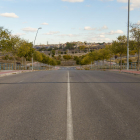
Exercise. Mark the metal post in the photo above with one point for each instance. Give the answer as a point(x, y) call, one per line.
point(33, 46)
point(128, 36)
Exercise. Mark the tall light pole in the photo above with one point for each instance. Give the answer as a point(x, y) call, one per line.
point(34, 44)
point(128, 36)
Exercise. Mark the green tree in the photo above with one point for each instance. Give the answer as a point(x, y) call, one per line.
point(70, 46)
point(135, 43)
point(37, 56)
point(82, 47)
point(86, 60)
point(120, 47)
point(25, 50)
point(104, 54)
point(109, 48)
point(67, 57)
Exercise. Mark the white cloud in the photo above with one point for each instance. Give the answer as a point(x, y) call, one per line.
point(88, 5)
point(52, 33)
point(102, 36)
point(97, 39)
point(45, 23)
point(19, 34)
point(106, 0)
point(29, 29)
point(73, 0)
point(11, 15)
point(68, 35)
point(138, 23)
point(103, 28)
point(89, 28)
point(115, 32)
point(24, 22)
point(134, 4)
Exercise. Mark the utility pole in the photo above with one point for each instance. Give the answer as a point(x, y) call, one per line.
point(128, 36)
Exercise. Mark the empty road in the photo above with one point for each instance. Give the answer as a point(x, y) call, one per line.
point(69, 104)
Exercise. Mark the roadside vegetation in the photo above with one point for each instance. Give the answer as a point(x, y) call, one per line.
point(21, 48)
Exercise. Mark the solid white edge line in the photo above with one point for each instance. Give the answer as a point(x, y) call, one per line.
point(69, 113)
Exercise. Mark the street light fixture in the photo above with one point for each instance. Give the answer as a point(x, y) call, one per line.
point(34, 44)
point(128, 36)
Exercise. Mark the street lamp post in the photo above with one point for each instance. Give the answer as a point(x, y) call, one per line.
point(34, 44)
point(128, 36)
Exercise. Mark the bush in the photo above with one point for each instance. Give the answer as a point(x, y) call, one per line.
point(11, 58)
point(6, 57)
point(120, 62)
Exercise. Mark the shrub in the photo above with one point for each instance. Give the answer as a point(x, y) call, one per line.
point(120, 62)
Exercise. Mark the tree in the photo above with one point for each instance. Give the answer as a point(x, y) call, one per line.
point(37, 56)
point(82, 47)
point(70, 46)
point(9, 43)
point(66, 57)
point(86, 60)
point(120, 47)
point(104, 54)
point(25, 50)
point(109, 48)
point(4, 36)
point(135, 43)
point(94, 56)
point(45, 59)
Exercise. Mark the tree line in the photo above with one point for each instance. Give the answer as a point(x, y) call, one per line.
point(22, 48)
point(118, 47)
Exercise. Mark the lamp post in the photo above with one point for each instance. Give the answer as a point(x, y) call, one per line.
point(34, 44)
point(128, 36)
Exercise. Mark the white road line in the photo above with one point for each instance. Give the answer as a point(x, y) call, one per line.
point(69, 113)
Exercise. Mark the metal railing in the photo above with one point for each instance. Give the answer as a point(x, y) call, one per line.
point(10, 66)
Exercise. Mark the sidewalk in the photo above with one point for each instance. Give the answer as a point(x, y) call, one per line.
point(128, 71)
point(10, 72)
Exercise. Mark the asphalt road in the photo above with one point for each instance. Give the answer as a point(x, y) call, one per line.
point(68, 104)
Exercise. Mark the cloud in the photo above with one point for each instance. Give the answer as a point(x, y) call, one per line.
point(19, 34)
point(73, 0)
point(115, 32)
point(134, 4)
point(89, 28)
point(29, 29)
point(97, 39)
point(52, 33)
point(11, 15)
point(67, 35)
point(24, 22)
point(88, 5)
point(106, 0)
point(138, 23)
point(103, 28)
point(45, 23)
point(102, 36)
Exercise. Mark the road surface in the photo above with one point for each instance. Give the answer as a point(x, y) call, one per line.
point(70, 104)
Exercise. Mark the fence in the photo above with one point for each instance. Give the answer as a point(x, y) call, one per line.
point(132, 65)
point(9, 66)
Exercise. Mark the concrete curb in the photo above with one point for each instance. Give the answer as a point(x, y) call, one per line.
point(12, 73)
point(126, 72)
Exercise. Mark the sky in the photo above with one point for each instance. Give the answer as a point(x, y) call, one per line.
point(68, 20)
